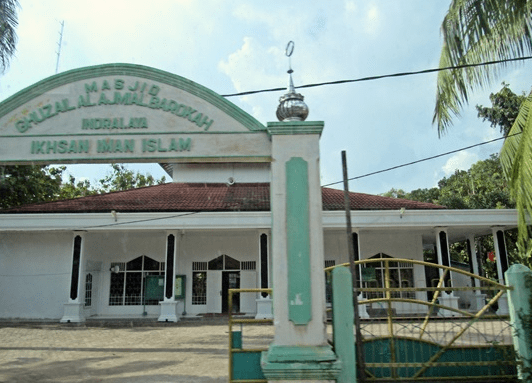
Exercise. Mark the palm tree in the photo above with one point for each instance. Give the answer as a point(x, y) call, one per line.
point(476, 31)
point(8, 38)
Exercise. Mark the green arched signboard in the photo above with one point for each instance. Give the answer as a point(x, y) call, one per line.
point(126, 113)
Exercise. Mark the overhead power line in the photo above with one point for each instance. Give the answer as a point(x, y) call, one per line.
point(422, 160)
point(401, 74)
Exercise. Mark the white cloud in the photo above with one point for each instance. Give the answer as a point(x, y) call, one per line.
point(350, 6)
point(372, 20)
point(460, 161)
point(254, 66)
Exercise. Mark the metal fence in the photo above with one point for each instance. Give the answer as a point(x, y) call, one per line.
point(247, 340)
point(453, 328)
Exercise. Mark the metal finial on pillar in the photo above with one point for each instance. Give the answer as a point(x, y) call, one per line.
point(291, 105)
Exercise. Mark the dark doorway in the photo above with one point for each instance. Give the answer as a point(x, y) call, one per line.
point(230, 280)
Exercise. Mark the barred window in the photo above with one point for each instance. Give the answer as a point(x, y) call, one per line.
point(401, 275)
point(199, 288)
point(127, 286)
point(88, 290)
point(199, 266)
point(248, 265)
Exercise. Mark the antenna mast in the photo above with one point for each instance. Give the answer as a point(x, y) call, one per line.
point(59, 46)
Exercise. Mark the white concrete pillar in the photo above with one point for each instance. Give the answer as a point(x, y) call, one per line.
point(362, 308)
point(73, 309)
point(444, 259)
point(300, 341)
point(169, 304)
point(501, 257)
point(473, 258)
point(479, 300)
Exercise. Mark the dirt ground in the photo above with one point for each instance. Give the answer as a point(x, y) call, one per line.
point(187, 351)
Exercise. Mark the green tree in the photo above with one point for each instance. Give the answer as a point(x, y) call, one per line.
point(504, 109)
point(8, 37)
point(123, 179)
point(476, 31)
point(21, 185)
point(76, 188)
point(395, 193)
point(482, 186)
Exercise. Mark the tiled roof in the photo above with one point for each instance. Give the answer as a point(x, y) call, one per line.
point(174, 197)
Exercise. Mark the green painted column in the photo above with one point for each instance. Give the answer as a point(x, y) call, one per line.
point(300, 350)
point(298, 241)
point(519, 277)
point(343, 322)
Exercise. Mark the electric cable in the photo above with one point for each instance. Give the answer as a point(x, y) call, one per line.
point(400, 74)
point(422, 160)
point(140, 220)
point(330, 184)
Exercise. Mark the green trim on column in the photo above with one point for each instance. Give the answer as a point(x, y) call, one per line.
point(294, 127)
point(343, 319)
point(519, 277)
point(298, 241)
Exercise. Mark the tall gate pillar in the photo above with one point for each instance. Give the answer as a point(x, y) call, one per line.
point(519, 277)
point(300, 350)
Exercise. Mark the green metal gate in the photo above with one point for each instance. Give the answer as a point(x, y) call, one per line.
point(244, 357)
point(457, 331)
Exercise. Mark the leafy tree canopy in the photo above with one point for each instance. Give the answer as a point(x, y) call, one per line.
point(124, 179)
point(21, 185)
point(481, 187)
point(504, 109)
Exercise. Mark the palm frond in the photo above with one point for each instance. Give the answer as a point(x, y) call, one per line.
point(516, 161)
point(8, 37)
point(476, 31)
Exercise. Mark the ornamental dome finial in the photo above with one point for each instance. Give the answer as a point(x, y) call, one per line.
point(291, 105)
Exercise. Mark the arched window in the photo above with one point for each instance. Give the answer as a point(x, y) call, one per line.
point(128, 284)
point(401, 275)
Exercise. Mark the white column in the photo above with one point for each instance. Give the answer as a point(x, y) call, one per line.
point(362, 308)
point(73, 310)
point(479, 299)
point(444, 259)
point(300, 342)
point(169, 304)
point(501, 257)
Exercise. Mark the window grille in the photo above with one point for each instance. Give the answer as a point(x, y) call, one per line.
point(88, 290)
point(199, 266)
point(128, 284)
point(330, 262)
point(248, 265)
point(199, 288)
point(401, 275)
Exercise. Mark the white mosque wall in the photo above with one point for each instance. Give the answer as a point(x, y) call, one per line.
point(223, 172)
point(34, 274)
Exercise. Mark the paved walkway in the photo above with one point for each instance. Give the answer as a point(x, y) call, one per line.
point(125, 352)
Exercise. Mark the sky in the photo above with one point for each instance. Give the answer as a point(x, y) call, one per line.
point(235, 46)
